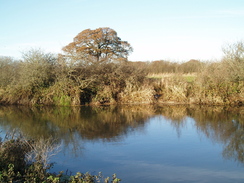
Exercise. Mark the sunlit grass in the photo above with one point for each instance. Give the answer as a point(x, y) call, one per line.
point(190, 77)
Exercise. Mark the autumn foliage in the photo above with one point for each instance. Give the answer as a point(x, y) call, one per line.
point(96, 46)
point(94, 69)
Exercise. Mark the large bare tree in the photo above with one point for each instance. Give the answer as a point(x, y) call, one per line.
point(96, 46)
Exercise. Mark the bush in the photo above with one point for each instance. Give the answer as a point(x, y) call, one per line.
point(8, 70)
point(14, 152)
point(233, 61)
point(26, 161)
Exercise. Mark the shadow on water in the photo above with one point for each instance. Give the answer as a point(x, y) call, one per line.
point(223, 125)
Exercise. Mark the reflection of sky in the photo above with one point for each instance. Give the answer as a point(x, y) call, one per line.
point(2, 133)
point(157, 153)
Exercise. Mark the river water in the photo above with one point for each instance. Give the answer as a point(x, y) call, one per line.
point(140, 143)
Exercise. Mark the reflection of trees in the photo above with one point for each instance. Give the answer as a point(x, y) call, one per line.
point(235, 146)
point(224, 125)
point(109, 123)
point(175, 114)
point(102, 122)
point(221, 124)
point(30, 121)
point(72, 124)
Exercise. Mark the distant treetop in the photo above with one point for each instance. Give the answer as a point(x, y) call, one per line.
point(99, 45)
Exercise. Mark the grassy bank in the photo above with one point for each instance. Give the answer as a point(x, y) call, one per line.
point(44, 79)
point(198, 89)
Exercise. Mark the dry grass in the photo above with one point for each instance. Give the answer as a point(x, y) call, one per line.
point(190, 77)
point(172, 88)
point(208, 87)
point(132, 94)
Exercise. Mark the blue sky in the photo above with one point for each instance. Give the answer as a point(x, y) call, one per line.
point(176, 30)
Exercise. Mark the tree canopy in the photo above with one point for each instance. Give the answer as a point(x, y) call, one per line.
point(99, 45)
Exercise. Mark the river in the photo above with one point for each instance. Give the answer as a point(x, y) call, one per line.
point(140, 143)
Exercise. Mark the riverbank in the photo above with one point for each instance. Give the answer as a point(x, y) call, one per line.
point(173, 88)
point(198, 89)
point(44, 79)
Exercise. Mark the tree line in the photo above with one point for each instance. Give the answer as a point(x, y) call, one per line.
point(94, 69)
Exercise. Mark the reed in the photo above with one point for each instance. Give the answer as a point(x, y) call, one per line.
point(137, 94)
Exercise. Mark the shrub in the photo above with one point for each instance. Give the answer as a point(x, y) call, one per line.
point(24, 160)
point(13, 152)
point(8, 70)
point(233, 61)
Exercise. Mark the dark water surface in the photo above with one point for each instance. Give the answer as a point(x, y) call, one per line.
point(140, 143)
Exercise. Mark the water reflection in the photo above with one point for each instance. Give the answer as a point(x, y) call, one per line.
point(223, 125)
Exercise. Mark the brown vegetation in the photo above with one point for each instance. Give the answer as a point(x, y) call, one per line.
point(96, 46)
point(94, 70)
point(23, 160)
